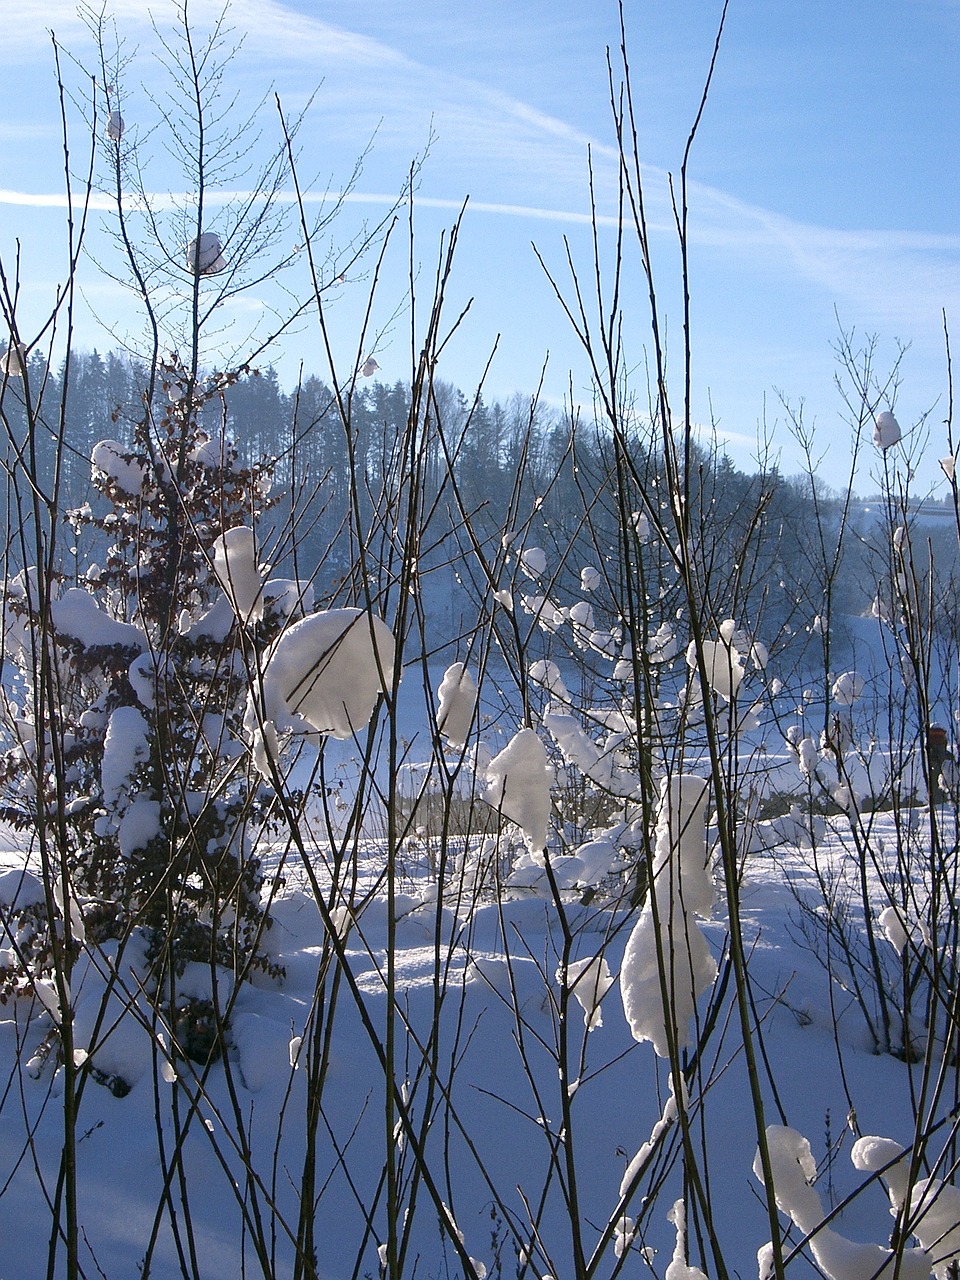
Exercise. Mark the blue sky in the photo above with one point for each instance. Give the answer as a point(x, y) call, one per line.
point(824, 180)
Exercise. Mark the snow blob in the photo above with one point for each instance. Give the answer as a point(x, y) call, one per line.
point(323, 675)
point(125, 746)
point(669, 938)
point(205, 255)
point(589, 980)
point(13, 362)
point(114, 126)
point(457, 697)
point(794, 1171)
point(886, 430)
point(369, 367)
point(121, 465)
point(589, 578)
point(533, 561)
point(848, 688)
point(547, 674)
point(723, 663)
point(520, 778)
point(77, 615)
point(235, 564)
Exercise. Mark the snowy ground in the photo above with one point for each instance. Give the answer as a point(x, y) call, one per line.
point(489, 998)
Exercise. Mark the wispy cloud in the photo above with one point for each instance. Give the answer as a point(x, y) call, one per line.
point(521, 163)
point(872, 267)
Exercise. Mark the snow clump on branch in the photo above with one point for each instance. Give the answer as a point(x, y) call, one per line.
point(722, 659)
point(682, 889)
point(324, 675)
point(234, 558)
point(520, 778)
point(794, 1171)
point(457, 697)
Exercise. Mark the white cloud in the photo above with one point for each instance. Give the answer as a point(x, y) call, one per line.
point(522, 163)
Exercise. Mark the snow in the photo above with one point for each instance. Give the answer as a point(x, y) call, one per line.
point(886, 430)
point(667, 937)
point(204, 255)
point(76, 614)
point(324, 674)
point(475, 966)
point(589, 980)
point(723, 664)
point(596, 762)
point(13, 362)
point(492, 963)
point(139, 825)
point(848, 688)
point(678, 1268)
point(122, 466)
point(794, 1171)
point(19, 889)
point(234, 558)
point(533, 561)
point(457, 699)
point(547, 675)
point(519, 778)
point(126, 745)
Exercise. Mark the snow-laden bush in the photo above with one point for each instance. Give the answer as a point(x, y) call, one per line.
point(149, 814)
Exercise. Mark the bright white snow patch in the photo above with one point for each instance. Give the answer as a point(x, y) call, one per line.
point(794, 1171)
point(589, 578)
point(121, 465)
point(848, 688)
point(323, 675)
point(534, 561)
point(679, 1268)
point(547, 675)
point(204, 255)
point(886, 430)
point(13, 362)
point(126, 745)
point(457, 697)
point(77, 614)
point(139, 825)
point(723, 663)
point(670, 940)
point(235, 564)
point(589, 980)
point(520, 778)
point(892, 926)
